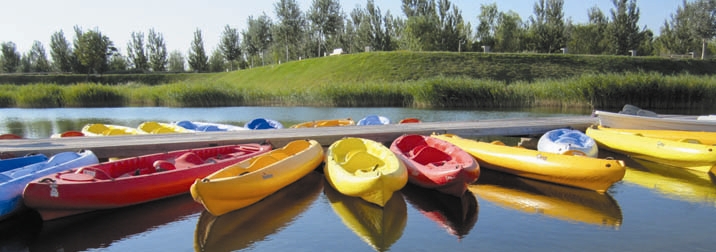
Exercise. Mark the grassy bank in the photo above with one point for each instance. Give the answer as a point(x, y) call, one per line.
point(407, 79)
point(591, 90)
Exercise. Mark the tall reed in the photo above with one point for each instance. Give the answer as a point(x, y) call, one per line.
point(92, 95)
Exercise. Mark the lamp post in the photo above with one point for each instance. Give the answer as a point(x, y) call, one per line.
point(564, 50)
point(633, 52)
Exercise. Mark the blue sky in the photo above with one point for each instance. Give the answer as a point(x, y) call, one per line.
point(23, 22)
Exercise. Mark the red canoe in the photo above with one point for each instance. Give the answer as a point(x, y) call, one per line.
point(130, 181)
point(436, 164)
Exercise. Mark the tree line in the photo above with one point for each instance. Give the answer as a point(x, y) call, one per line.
point(426, 25)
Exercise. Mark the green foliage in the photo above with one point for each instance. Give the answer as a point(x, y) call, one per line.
point(39, 96)
point(191, 95)
point(92, 95)
point(198, 61)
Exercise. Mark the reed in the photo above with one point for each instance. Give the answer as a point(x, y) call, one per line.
point(92, 95)
point(7, 99)
point(39, 96)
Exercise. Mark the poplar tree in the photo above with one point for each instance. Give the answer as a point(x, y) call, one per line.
point(289, 29)
point(327, 20)
point(157, 51)
point(136, 54)
point(61, 52)
point(176, 62)
point(624, 32)
point(198, 61)
point(38, 58)
point(230, 46)
point(10, 60)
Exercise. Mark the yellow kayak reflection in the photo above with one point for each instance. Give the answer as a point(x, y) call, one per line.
point(241, 228)
point(673, 182)
point(550, 200)
point(378, 227)
point(457, 215)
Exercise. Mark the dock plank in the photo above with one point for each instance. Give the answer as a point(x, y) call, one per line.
point(125, 146)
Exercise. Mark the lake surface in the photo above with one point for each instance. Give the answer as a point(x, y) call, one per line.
point(655, 207)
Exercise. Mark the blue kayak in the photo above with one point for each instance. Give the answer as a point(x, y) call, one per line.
point(13, 182)
point(17, 162)
point(568, 141)
point(373, 120)
point(207, 126)
point(263, 123)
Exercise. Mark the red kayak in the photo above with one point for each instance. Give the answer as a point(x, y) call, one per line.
point(436, 164)
point(130, 181)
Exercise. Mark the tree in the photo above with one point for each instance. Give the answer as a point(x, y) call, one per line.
point(117, 63)
point(676, 34)
point(257, 38)
point(703, 24)
point(94, 50)
point(327, 20)
point(487, 28)
point(217, 62)
point(508, 32)
point(197, 56)
point(548, 26)
point(422, 27)
point(157, 51)
point(38, 58)
point(624, 32)
point(135, 52)
point(230, 46)
point(289, 29)
point(176, 62)
point(590, 38)
point(10, 60)
point(61, 52)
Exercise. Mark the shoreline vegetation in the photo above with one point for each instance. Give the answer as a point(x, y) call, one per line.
point(394, 79)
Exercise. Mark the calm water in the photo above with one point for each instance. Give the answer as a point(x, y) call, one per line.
point(655, 208)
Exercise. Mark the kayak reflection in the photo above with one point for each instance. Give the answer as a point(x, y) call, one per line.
point(91, 230)
point(241, 228)
point(457, 215)
point(379, 227)
point(673, 182)
point(551, 200)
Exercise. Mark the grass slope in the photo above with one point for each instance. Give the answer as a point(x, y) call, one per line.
point(391, 67)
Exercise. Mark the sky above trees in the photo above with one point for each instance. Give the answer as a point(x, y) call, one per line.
point(23, 22)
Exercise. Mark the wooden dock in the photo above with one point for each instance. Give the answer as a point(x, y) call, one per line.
point(125, 146)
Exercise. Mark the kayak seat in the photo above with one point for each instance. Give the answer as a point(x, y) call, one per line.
point(261, 162)
point(163, 165)
point(342, 148)
point(409, 142)
point(296, 147)
point(188, 159)
point(361, 161)
point(427, 155)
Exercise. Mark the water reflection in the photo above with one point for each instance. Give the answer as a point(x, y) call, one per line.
point(102, 228)
point(457, 215)
point(551, 200)
point(673, 182)
point(378, 227)
point(240, 229)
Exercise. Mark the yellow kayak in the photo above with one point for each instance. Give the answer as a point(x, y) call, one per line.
point(325, 123)
point(259, 221)
point(251, 180)
point(101, 129)
point(680, 154)
point(576, 171)
point(152, 127)
point(702, 137)
point(360, 167)
point(379, 227)
point(547, 199)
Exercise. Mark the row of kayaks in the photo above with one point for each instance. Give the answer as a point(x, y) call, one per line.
point(188, 126)
point(226, 178)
